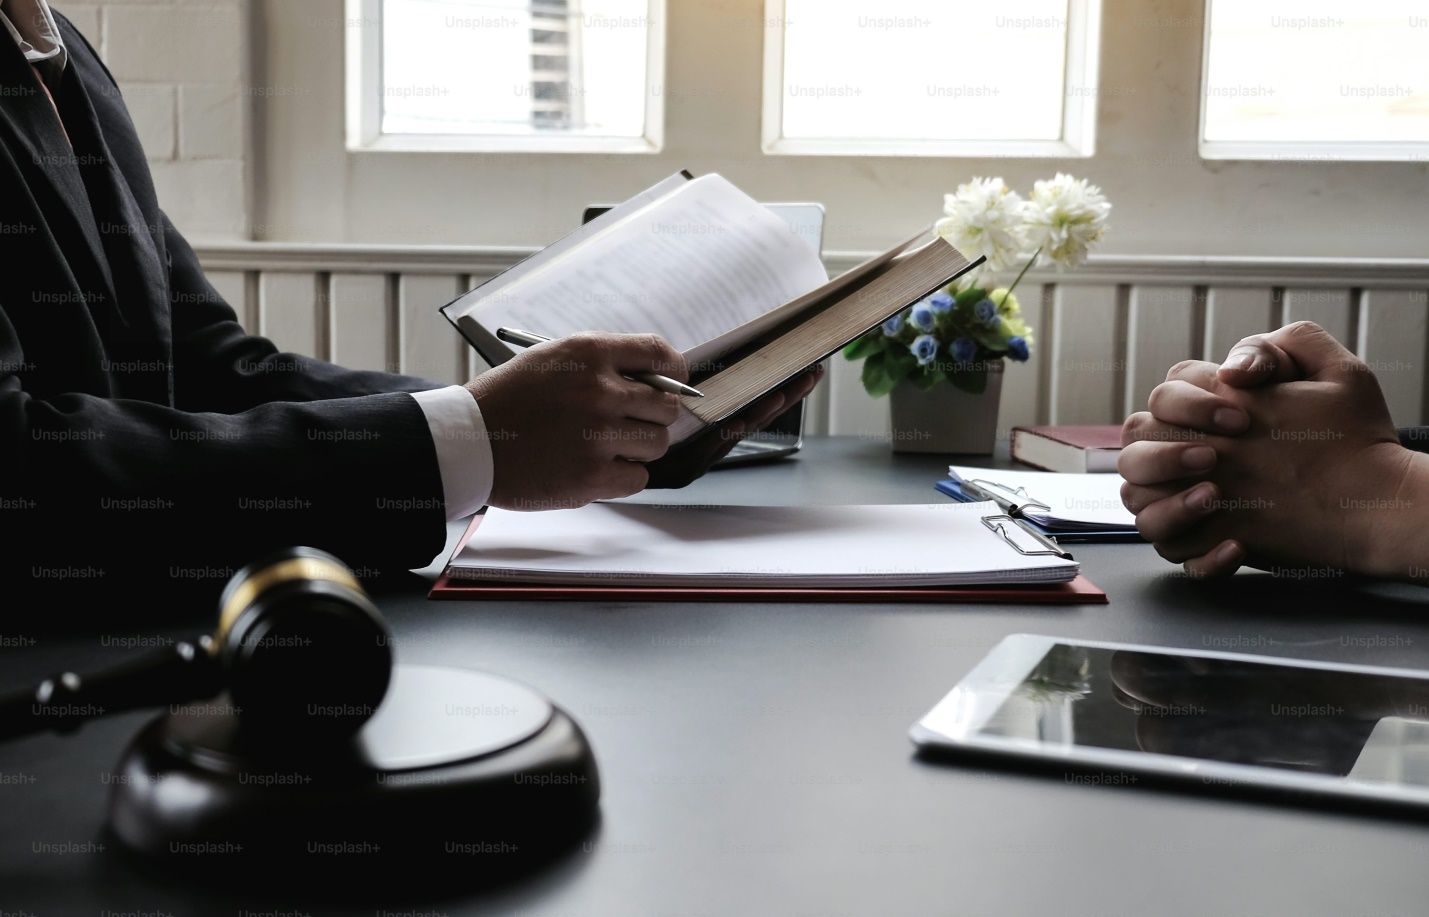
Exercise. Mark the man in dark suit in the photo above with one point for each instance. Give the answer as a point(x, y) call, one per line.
point(144, 432)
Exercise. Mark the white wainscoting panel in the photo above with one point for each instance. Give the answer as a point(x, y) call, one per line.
point(1160, 332)
point(1087, 361)
point(289, 306)
point(1233, 313)
point(1392, 335)
point(1106, 333)
point(361, 321)
point(430, 347)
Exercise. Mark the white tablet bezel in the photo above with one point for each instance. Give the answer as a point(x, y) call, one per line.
point(954, 724)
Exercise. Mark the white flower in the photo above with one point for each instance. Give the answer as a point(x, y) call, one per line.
point(985, 217)
point(1064, 217)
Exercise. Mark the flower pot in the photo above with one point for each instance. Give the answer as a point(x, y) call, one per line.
point(945, 418)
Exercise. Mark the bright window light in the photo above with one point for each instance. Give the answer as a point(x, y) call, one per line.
point(918, 71)
point(510, 68)
point(1347, 78)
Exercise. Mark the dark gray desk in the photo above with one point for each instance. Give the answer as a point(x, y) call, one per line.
point(755, 758)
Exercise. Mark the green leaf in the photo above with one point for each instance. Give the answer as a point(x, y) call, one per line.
point(900, 364)
point(866, 346)
point(971, 296)
point(875, 376)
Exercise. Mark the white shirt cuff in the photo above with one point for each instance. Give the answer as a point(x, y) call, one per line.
point(463, 448)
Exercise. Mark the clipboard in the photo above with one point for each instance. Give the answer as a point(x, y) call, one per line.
point(1078, 591)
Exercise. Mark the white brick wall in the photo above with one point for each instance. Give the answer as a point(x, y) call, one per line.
point(182, 66)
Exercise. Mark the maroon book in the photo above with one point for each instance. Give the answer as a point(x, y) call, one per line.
point(1074, 449)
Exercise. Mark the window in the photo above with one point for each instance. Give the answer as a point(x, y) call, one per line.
point(930, 77)
point(1316, 79)
point(512, 75)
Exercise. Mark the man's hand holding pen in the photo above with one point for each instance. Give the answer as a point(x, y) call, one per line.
point(654, 380)
point(577, 419)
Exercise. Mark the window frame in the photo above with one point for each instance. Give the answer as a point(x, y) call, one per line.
point(1293, 150)
point(1079, 111)
point(363, 84)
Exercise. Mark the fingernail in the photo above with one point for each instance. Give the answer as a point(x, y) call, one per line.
point(1242, 361)
point(1231, 420)
point(1201, 497)
point(1228, 553)
point(1198, 458)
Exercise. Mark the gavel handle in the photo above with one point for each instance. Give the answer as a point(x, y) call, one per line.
point(182, 672)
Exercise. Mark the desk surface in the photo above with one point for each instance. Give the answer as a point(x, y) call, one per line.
point(755, 758)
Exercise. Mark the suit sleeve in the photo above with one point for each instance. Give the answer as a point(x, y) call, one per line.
point(220, 367)
point(356, 476)
point(103, 489)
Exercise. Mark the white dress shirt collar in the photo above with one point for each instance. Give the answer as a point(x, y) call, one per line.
point(33, 27)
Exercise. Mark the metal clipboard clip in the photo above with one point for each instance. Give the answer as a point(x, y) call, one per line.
point(1013, 502)
point(998, 523)
point(1014, 505)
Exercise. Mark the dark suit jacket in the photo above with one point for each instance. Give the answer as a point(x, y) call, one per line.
point(143, 432)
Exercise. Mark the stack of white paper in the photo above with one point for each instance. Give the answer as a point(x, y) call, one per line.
point(942, 544)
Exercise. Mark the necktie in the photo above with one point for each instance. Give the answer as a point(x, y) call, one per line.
point(41, 78)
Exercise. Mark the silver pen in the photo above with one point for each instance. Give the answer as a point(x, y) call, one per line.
point(654, 380)
point(1013, 502)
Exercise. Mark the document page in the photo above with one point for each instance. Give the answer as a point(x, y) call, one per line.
point(689, 267)
point(711, 350)
point(496, 351)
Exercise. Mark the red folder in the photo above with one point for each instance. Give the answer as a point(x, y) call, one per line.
point(1080, 591)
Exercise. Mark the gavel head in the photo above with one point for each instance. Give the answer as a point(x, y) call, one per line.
point(306, 654)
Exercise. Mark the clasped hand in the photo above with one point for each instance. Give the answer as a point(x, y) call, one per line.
point(1283, 456)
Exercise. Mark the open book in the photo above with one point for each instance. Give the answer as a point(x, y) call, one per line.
point(700, 263)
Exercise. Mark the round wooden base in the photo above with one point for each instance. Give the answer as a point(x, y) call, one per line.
point(459, 776)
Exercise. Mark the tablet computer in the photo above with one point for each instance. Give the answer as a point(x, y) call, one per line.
point(1220, 720)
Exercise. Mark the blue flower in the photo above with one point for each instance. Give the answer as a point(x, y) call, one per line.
point(1017, 348)
point(923, 315)
point(893, 325)
point(925, 348)
point(964, 349)
point(941, 302)
point(987, 311)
